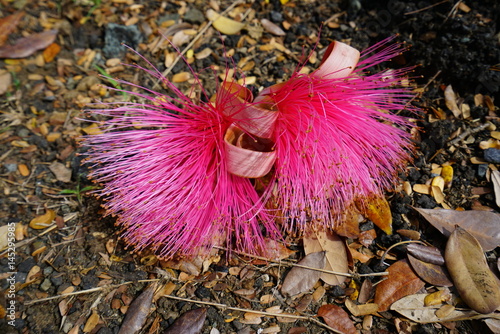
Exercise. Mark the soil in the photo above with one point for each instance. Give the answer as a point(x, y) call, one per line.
point(452, 43)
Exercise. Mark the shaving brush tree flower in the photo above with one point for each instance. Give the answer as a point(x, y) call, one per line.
point(181, 175)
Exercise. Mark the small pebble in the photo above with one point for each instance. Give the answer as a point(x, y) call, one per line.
point(481, 170)
point(46, 284)
point(492, 155)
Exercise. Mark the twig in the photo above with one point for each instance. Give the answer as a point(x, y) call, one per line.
point(190, 45)
point(268, 314)
point(425, 8)
point(31, 302)
point(468, 132)
point(292, 264)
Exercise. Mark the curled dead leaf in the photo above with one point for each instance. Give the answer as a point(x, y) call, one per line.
point(469, 271)
point(402, 281)
point(300, 280)
point(378, 211)
point(337, 318)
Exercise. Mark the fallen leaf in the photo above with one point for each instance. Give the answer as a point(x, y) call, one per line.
point(469, 271)
point(337, 318)
point(275, 250)
point(348, 226)
point(272, 28)
point(451, 101)
point(223, 24)
point(402, 281)
point(413, 308)
point(426, 253)
point(4, 236)
point(431, 273)
point(493, 325)
point(61, 172)
point(191, 322)
point(361, 309)
point(51, 52)
point(8, 24)
point(335, 253)
point(92, 321)
point(378, 211)
point(483, 225)
point(495, 178)
point(26, 46)
point(300, 280)
point(43, 221)
point(138, 312)
point(5, 81)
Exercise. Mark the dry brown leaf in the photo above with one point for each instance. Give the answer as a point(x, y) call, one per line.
point(5, 81)
point(61, 172)
point(413, 308)
point(223, 24)
point(275, 250)
point(335, 252)
point(272, 28)
point(495, 178)
point(190, 322)
point(51, 52)
point(431, 273)
point(300, 280)
point(92, 321)
point(138, 311)
point(402, 281)
point(483, 225)
point(426, 253)
point(43, 221)
point(26, 46)
point(337, 318)
point(469, 271)
point(8, 24)
point(349, 223)
point(378, 211)
point(451, 101)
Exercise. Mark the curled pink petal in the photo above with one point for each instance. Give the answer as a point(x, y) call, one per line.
point(339, 61)
point(255, 118)
point(249, 157)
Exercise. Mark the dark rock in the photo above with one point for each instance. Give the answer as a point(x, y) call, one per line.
point(202, 292)
point(337, 291)
point(276, 17)
point(57, 279)
point(117, 34)
point(481, 170)
point(26, 265)
point(194, 16)
point(492, 155)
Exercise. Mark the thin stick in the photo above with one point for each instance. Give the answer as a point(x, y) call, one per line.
point(31, 302)
point(291, 264)
point(425, 8)
point(190, 45)
point(268, 314)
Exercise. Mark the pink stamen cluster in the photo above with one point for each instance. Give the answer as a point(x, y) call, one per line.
point(167, 165)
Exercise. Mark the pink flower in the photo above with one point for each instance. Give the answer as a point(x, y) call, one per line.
point(176, 173)
point(163, 167)
point(337, 138)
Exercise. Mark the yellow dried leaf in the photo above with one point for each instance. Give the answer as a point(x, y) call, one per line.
point(223, 24)
point(92, 321)
point(378, 211)
point(53, 136)
point(437, 298)
point(438, 181)
point(422, 189)
point(92, 129)
point(23, 170)
point(447, 174)
point(181, 77)
point(43, 221)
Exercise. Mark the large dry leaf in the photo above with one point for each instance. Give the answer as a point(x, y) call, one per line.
point(483, 225)
point(138, 311)
point(414, 309)
point(495, 178)
point(8, 24)
point(300, 280)
point(335, 253)
point(401, 282)
point(426, 253)
point(431, 273)
point(377, 209)
point(469, 271)
point(337, 318)
point(190, 322)
point(26, 46)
